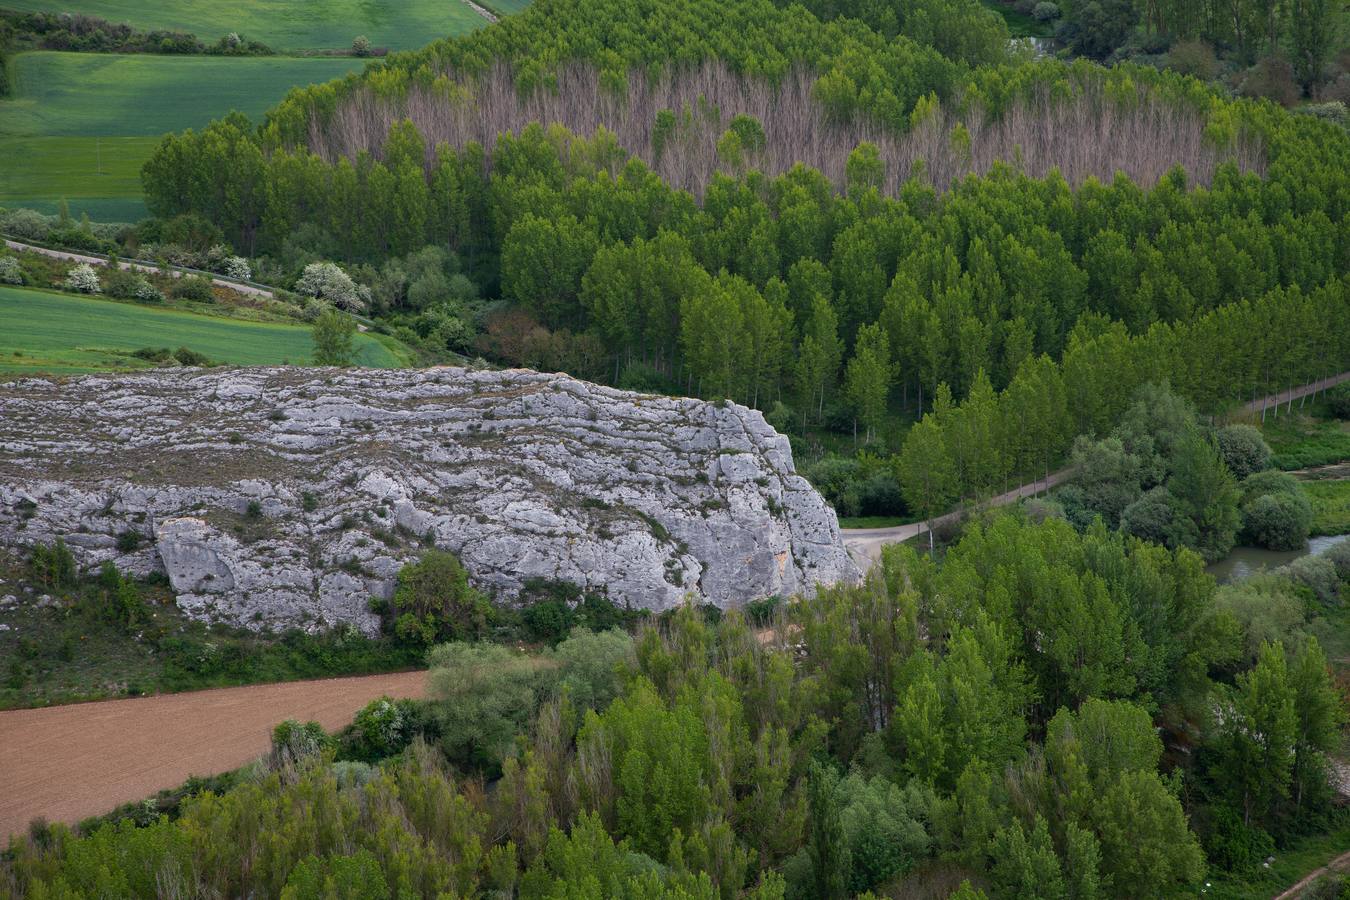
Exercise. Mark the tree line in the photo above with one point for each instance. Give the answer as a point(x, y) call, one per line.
point(976, 448)
point(1044, 714)
point(996, 271)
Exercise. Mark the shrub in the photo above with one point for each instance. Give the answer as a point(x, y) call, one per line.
point(1338, 400)
point(237, 267)
point(1277, 521)
point(334, 336)
point(1156, 517)
point(294, 742)
point(186, 357)
point(1339, 557)
point(128, 541)
point(483, 694)
point(147, 292)
point(760, 613)
point(1333, 111)
point(119, 601)
point(83, 279)
point(361, 46)
point(837, 480)
point(121, 283)
point(1195, 58)
point(194, 287)
point(1233, 845)
point(10, 270)
point(1269, 482)
point(591, 666)
point(26, 223)
point(1243, 449)
point(382, 727)
point(1317, 573)
point(326, 281)
point(1273, 79)
point(433, 601)
point(880, 495)
point(1044, 12)
point(53, 566)
point(548, 621)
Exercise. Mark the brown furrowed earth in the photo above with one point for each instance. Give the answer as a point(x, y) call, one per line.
point(67, 763)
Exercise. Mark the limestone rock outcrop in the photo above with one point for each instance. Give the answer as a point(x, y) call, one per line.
point(289, 497)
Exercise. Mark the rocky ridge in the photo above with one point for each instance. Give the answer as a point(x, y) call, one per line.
point(288, 496)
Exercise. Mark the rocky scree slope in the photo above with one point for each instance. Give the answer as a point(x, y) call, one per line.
point(290, 496)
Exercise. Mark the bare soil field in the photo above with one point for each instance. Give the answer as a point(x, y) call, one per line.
point(66, 763)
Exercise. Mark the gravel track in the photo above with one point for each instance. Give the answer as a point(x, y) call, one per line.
point(66, 763)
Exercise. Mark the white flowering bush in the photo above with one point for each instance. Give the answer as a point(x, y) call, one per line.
point(10, 271)
point(325, 281)
point(147, 292)
point(237, 267)
point(83, 278)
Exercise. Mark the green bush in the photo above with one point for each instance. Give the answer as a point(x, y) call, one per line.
point(548, 621)
point(1233, 845)
point(53, 567)
point(1243, 449)
point(1267, 483)
point(484, 694)
point(1317, 574)
point(193, 287)
point(1277, 521)
point(434, 602)
point(1338, 400)
point(294, 742)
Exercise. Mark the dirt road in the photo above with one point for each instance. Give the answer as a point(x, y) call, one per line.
point(1272, 403)
point(237, 286)
point(70, 762)
point(1339, 864)
point(864, 544)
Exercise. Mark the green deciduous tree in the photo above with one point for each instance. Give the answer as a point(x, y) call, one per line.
point(867, 380)
point(334, 336)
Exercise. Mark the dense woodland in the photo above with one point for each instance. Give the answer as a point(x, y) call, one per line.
point(971, 239)
point(1044, 713)
point(874, 226)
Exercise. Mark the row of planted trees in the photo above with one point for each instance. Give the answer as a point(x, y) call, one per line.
point(975, 448)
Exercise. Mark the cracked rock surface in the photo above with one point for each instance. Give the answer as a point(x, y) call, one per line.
point(276, 497)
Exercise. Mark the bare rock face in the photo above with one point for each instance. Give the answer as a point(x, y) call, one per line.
point(285, 496)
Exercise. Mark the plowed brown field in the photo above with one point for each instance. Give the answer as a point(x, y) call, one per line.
point(70, 762)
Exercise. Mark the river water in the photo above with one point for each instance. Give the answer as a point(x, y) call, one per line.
point(1246, 561)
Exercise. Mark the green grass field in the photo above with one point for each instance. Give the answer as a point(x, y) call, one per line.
point(289, 24)
point(82, 124)
point(1330, 500)
point(60, 334)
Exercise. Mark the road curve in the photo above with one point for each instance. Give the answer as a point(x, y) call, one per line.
point(864, 544)
point(66, 763)
point(139, 267)
point(1338, 864)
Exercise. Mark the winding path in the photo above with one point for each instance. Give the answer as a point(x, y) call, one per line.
point(238, 286)
point(1339, 864)
point(864, 544)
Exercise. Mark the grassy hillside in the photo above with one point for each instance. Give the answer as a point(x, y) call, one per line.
point(59, 333)
point(290, 24)
point(82, 124)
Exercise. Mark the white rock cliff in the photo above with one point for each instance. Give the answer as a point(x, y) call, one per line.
point(288, 496)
